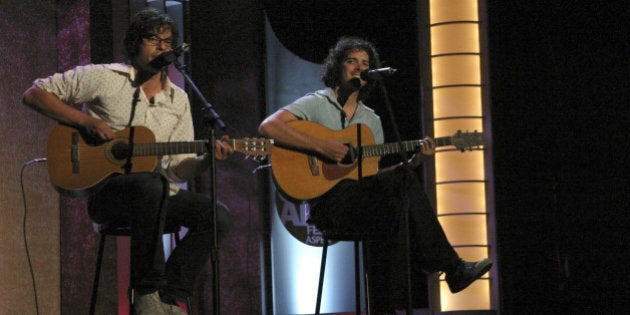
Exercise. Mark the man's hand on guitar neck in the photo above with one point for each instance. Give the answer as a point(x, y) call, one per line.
point(191, 167)
point(223, 148)
point(426, 151)
point(428, 146)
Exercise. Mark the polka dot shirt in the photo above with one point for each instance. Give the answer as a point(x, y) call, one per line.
point(106, 92)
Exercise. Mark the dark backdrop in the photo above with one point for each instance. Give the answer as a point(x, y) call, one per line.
point(227, 53)
point(559, 82)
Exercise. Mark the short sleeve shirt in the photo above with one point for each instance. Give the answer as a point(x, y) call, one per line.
point(323, 108)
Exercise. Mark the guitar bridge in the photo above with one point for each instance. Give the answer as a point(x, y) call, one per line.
point(312, 165)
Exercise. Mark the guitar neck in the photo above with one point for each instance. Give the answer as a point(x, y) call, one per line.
point(407, 146)
point(252, 147)
point(168, 148)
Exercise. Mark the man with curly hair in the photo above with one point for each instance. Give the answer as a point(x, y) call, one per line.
point(375, 205)
point(121, 95)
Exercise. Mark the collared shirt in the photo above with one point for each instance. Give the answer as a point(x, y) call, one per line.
point(323, 108)
point(106, 92)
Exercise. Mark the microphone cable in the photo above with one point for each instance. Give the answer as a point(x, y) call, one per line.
point(28, 255)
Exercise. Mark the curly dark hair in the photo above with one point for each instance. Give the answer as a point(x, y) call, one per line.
point(333, 64)
point(146, 23)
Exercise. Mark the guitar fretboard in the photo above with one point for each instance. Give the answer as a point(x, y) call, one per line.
point(407, 146)
point(166, 148)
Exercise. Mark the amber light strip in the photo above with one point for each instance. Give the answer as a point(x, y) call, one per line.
point(460, 177)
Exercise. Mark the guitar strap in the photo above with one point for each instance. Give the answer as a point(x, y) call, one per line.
point(360, 155)
point(340, 100)
point(134, 102)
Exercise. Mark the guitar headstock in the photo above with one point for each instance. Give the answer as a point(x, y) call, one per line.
point(257, 148)
point(467, 140)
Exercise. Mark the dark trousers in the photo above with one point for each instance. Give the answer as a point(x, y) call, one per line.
point(374, 209)
point(142, 202)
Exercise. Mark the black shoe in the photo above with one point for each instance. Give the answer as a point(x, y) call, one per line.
point(466, 273)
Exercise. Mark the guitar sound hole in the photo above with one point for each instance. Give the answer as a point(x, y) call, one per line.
point(120, 150)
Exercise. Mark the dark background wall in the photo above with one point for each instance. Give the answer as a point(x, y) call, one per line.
point(227, 51)
point(560, 83)
point(26, 33)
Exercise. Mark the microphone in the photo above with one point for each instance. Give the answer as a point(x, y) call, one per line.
point(355, 84)
point(377, 74)
point(346, 89)
point(167, 58)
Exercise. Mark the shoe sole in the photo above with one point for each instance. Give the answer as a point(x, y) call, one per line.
point(483, 268)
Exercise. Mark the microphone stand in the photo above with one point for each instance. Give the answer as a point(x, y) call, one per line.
point(212, 119)
point(343, 94)
point(405, 160)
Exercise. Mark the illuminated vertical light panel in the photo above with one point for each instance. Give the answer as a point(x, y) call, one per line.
point(458, 104)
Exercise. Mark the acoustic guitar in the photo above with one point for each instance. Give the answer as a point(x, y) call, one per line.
point(304, 175)
point(78, 165)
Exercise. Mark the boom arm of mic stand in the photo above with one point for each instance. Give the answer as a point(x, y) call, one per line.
point(207, 106)
point(214, 119)
point(390, 112)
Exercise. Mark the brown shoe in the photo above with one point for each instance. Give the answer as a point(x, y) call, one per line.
point(150, 304)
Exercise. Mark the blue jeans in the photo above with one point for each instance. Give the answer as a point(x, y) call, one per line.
point(142, 202)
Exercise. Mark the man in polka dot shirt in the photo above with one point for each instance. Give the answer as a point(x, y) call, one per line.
point(120, 95)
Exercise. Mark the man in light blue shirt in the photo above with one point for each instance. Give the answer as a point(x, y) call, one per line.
point(374, 205)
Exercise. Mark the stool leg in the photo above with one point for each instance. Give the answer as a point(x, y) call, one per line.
point(97, 273)
point(322, 269)
point(130, 291)
point(188, 301)
point(357, 278)
point(189, 306)
point(132, 300)
point(366, 277)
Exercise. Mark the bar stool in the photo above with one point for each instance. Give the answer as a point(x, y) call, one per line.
point(113, 230)
point(333, 236)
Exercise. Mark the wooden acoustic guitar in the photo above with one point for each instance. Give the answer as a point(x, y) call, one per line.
point(304, 175)
point(77, 164)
